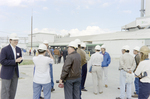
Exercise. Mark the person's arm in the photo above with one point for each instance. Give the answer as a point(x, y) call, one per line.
point(133, 65)
point(66, 68)
point(4, 61)
point(50, 54)
point(139, 69)
point(121, 63)
point(109, 59)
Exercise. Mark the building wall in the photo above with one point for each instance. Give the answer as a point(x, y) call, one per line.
point(114, 47)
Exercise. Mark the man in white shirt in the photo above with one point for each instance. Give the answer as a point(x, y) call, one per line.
point(42, 77)
point(127, 65)
point(97, 75)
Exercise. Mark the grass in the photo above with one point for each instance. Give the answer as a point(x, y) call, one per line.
point(27, 62)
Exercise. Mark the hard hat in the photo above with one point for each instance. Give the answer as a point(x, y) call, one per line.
point(13, 36)
point(137, 48)
point(77, 41)
point(126, 47)
point(145, 50)
point(45, 42)
point(73, 44)
point(97, 47)
point(42, 47)
point(55, 47)
point(103, 46)
point(83, 45)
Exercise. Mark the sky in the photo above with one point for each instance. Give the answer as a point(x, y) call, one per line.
point(77, 17)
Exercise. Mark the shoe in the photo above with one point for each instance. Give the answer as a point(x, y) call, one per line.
point(95, 93)
point(41, 97)
point(118, 98)
point(52, 89)
point(135, 96)
point(118, 87)
point(83, 90)
point(106, 86)
point(100, 92)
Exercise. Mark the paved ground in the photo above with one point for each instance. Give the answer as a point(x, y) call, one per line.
point(25, 91)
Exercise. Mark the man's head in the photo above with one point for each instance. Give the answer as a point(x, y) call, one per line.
point(83, 46)
point(42, 49)
point(103, 48)
point(144, 51)
point(72, 47)
point(125, 49)
point(136, 50)
point(45, 42)
point(64, 48)
point(97, 48)
point(13, 39)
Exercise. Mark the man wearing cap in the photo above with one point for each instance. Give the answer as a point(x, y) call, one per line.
point(137, 60)
point(56, 54)
point(51, 66)
point(97, 75)
point(105, 63)
point(127, 65)
point(10, 56)
point(84, 68)
point(71, 73)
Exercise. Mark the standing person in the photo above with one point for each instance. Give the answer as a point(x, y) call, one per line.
point(51, 65)
point(59, 58)
point(56, 54)
point(97, 74)
point(127, 65)
point(42, 77)
point(9, 58)
point(34, 51)
point(137, 60)
point(83, 59)
point(84, 68)
point(105, 64)
point(65, 53)
point(71, 73)
point(143, 72)
point(30, 52)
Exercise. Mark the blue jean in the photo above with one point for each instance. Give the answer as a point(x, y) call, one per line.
point(72, 88)
point(51, 74)
point(37, 90)
point(136, 83)
point(144, 90)
point(84, 73)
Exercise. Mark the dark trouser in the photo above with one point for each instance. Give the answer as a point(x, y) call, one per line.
point(136, 83)
point(84, 73)
point(59, 59)
point(64, 57)
point(144, 90)
point(9, 87)
point(72, 88)
point(51, 74)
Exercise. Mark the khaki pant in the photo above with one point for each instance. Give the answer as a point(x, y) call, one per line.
point(97, 76)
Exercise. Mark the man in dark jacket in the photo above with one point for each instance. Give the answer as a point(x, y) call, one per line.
point(65, 53)
point(9, 58)
point(71, 73)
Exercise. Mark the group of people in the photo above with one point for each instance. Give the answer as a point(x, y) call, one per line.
point(74, 70)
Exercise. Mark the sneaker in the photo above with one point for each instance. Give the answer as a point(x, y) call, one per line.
point(106, 86)
point(41, 97)
point(95, 93)
point(100, 92)
point(135, 96)
point(118, 98)
point(83, 90)
point(52, 89)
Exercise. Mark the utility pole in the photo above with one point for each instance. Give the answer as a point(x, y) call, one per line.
point(31, 28)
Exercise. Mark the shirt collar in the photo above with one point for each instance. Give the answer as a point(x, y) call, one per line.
point(12, 47)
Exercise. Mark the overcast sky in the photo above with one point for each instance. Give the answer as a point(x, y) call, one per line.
point(77, 17)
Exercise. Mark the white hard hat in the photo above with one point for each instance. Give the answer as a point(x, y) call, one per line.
point(103, 46)
point(83, 45)
point(73, 44)
point(42, 47)
point(13, 36)
point(45, 42)
point(137, 48)
point(97, 47)
point(55, 47)
point(126, 47)
point(78, 41)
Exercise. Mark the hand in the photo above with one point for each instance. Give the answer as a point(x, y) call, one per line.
point(130, 72)
point(60, 81)
point(19, 59)
point(90, 72)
